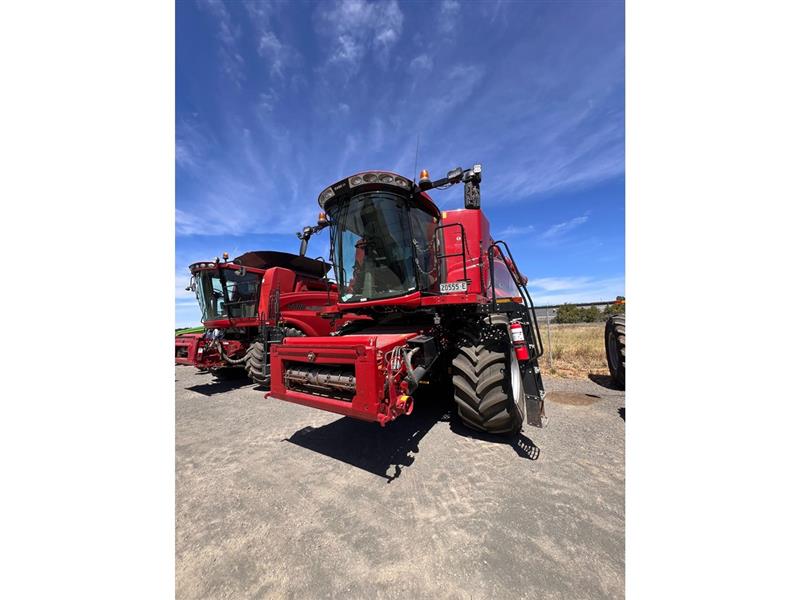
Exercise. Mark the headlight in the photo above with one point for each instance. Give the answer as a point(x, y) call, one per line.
point(325, 196)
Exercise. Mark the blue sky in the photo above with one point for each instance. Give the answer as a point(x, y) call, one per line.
point(275, 101)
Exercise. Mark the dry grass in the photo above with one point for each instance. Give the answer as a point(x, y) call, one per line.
point(577, 350)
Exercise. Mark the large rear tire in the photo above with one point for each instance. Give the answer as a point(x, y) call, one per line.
point(254, 363)
point(486, 378)
point(615, 348)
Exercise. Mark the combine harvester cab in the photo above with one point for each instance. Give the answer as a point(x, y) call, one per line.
point(251, 302)
point(436, 298)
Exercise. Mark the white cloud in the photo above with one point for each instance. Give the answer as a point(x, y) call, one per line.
point(354, 27)
point(267, 100)
point(560, 290)
point(556, 284)
point(275, 52)
point(515, 230)
point(183, 155)
point(457, 88)
point(569, 128)
point(228, 35)
point(448, 15)
point(190, 144)
point(420, 64)
point(559, 229)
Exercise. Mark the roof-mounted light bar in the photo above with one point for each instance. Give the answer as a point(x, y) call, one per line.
point(204, 265)
point(368, 178)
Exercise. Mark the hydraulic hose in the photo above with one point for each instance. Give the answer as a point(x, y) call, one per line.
point(230, 361)
point(407, 360)
point(413, 375)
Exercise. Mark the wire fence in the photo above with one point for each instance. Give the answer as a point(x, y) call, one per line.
point(546, 316)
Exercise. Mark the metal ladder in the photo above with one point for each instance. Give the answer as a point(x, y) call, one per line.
point(532, 383)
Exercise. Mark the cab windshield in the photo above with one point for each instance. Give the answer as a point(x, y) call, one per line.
point(382, 247)
point(242, 294)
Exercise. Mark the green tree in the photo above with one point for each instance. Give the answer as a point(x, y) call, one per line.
point(591, 314)
point(568, 313)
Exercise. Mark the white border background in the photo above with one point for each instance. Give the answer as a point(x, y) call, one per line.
point(87, 439)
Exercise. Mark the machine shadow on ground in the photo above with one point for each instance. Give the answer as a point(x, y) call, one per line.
point(605, 381)
point(386, 451)
point(219, 386)
point(371, 447)
point(520, 443)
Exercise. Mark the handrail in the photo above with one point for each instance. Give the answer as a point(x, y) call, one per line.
point(524, 293)
point(463, 253)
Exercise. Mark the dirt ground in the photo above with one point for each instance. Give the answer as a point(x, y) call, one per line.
point(276, 500)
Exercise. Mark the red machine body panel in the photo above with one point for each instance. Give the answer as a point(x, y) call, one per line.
point(186, 348)
point(366, 355)
point(477, 244)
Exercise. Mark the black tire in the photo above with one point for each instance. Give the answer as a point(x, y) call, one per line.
point(615, 349)
point(254, 363)
point(482, 369)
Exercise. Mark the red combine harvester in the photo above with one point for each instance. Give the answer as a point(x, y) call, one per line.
point(252, 302)
point(439, 299)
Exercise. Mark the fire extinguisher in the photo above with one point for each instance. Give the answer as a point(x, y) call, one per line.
point(518, 340)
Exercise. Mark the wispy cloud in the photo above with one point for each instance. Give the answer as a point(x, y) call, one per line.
point(278, 55)
point(534, 92)
point(448, 15)
point(560, 229)
point(516, 230)
point(555, 284)
point(228, 35)
point(559, 290)
point(354, 27)
point(420, 64)
point(190, 143)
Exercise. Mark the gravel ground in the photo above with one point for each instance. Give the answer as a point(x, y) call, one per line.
point(276, 500)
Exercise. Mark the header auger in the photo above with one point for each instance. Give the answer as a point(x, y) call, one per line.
point(436, 297)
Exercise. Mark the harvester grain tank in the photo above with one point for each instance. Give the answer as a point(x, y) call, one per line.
point(438, 298)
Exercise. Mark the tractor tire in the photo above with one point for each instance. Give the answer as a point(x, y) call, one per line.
point(487, 383)
point(254, 364)
point(615, 349)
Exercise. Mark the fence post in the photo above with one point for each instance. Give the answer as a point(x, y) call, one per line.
point(549, 345)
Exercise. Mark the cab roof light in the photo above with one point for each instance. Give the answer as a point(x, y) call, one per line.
point(326, 195)
point(362, 179)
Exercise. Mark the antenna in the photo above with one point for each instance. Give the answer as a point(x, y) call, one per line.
point(416, 156)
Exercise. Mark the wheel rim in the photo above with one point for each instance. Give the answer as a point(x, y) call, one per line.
point(611, 343)
point(516, 381)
